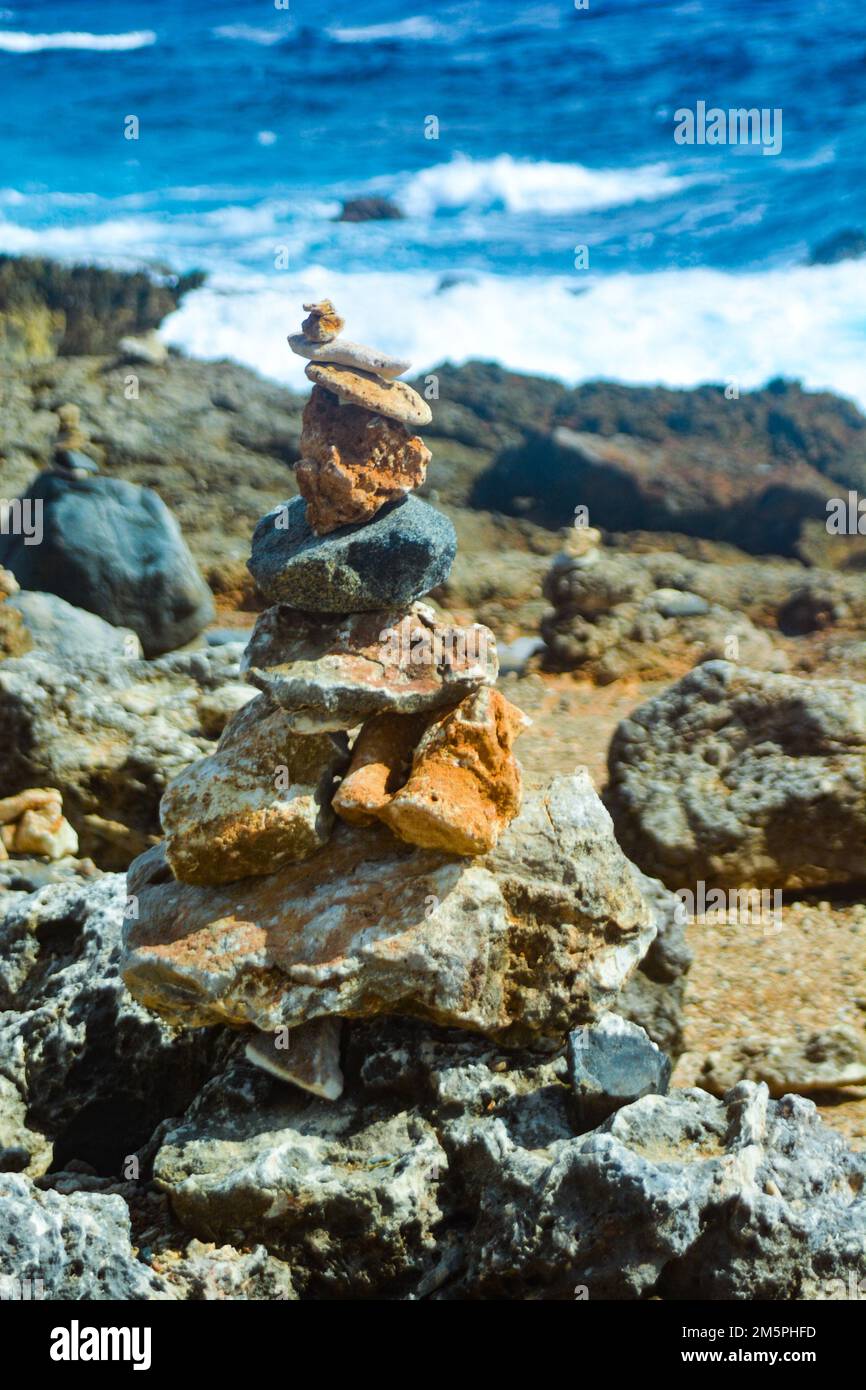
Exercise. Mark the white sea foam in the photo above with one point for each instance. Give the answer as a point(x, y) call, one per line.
point(524, 185)
point(674, 328)
point(250, 33)
point(417, 26)
point(19, 41)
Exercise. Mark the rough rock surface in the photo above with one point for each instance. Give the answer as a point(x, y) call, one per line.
point(521, 943)
point(353, 462)
point(740, 778)
point(617, 613)
point(32, 822)
point(84, 1068)
point(828, 1060)
point(335, 672)
point(380, 765)
point(654, 996)
point(109, 734)
point(395, 399)
point(72, 1247)
point(65, 631)
point(464, 785)
point(404, 552)
point(117, 551)
point(263, 799)
point(449, 1168)
point(452, 1170)
point(323, 322)
point(611, 1063)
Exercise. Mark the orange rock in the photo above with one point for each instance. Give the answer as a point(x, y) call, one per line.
point(324, 322)
point(380, 766)
point(354, 462)
point(464, 785)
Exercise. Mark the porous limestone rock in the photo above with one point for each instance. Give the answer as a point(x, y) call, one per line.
point(87, 1071)
point(334, 672)
point(205, 1272)
point(451, 1169)
point(33, 823)
point(464, 785)
point(348, 354)
point(109, 734)
point(353, 462)
point(520, 943)
point(827, 1060)
point(404, 552)
point(744, 778)
point(74, 1247)
point(396, 399)
point(263, 799)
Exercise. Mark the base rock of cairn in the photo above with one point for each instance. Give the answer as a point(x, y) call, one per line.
point(359, 843)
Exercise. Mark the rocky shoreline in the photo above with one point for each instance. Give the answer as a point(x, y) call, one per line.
point(416, 1022)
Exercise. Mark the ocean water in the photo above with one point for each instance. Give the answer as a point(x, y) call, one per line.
point(556, 131)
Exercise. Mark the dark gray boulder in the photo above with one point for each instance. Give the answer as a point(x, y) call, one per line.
point(116, 550)
point(404, 552)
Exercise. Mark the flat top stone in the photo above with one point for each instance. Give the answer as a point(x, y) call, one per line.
point(334, 672)
point(345, 353)
point(393, 398)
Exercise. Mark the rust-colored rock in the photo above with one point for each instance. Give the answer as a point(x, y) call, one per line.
point(380, 766)
point(354, 462)
point(464, 784)
point(323, 324)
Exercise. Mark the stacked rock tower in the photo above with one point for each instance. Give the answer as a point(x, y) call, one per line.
point(373, 707)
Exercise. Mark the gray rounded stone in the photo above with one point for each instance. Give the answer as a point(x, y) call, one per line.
point(403, 553)
point(114, 549)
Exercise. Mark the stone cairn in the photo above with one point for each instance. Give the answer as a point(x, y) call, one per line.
point(359, 681)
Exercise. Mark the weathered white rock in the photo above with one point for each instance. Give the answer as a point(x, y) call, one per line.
point(826, 1060)
point(109, 734)
point(450, 1169)
point(263, 799)
point(74, 1247)
point(520, 943)
point(349, 354)
point(333, 672)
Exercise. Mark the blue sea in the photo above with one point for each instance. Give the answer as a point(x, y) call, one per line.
point(554, 223)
